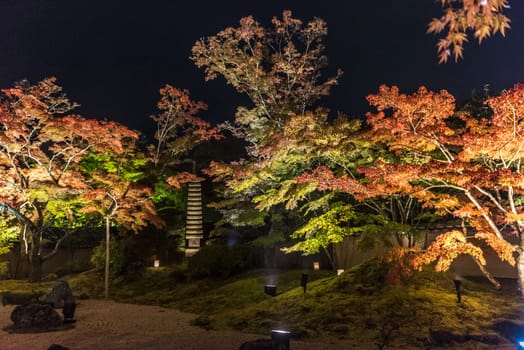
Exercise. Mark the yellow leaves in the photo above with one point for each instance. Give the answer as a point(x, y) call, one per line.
point(482, 32)
point(515, 217)
point(443, 203)
point(446, 248)
point(504, 249)
point(289, 192)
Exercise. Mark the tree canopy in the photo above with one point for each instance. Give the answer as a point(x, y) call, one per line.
point(41, 146)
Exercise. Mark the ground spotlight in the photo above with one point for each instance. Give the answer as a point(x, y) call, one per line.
point(458, 284)
point(270, 289)
point(303, 281)
point(280, 339)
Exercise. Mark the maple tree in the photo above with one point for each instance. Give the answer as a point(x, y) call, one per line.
point(455, 163)
point(179, 129)
point(41, 146)
point(286, 134)
point(279, 68)
point(117, 195)
point(119, 191)
point(483, 17)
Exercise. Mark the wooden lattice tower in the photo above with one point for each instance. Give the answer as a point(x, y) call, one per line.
point(194, 222)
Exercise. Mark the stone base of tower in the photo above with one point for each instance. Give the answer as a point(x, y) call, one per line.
point(193, 245)
point(191, 251)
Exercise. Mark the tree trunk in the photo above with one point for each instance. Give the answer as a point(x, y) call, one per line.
point(108, 248)
point(487, 274)
point(330, 258)
point(35, 259)
point(520, 269)
point(36, 269)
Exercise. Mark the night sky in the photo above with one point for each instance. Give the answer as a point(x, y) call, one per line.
point(113, 56)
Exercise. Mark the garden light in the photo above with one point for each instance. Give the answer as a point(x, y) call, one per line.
point(458, 284)
point(270, 289)
point(520, 345)
point(303, 281)
point(280, 339)
point(316, 265)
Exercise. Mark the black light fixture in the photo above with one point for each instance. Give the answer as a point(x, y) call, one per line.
point(280, 339)
point(458, 285)
point(69, 311)
point(270, 289)
point(303, 281)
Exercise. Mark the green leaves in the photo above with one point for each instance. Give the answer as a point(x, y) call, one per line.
point(8, 233)
point(325, 229)
point(131, 169)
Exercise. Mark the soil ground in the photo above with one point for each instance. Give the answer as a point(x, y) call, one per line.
point(117, 326)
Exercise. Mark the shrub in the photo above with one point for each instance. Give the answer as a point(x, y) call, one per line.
point(220, 261)
point(4, 269)
point(127, 258)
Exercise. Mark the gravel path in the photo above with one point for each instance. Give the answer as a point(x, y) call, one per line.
point(114, 326)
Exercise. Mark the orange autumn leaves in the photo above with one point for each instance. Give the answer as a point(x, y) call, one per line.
point(482, 17)
point(452, 162)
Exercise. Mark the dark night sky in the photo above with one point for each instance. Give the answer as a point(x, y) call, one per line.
point(113, 56)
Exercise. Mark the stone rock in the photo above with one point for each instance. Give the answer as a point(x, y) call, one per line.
point(60, 293)
point(258, 344)
point(57, 347)
point(35, 317)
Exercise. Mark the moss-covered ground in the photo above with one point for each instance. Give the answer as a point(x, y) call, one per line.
point(353, 308)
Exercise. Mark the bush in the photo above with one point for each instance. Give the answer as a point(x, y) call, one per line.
point(220, 261)
point(127, 258)
point(4, 269)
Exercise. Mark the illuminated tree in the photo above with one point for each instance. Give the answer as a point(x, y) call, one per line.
point(279, 68)
point(456, 164)
point(483, 17)
point(40, 147)
point(116, 194)
point(179, 129)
